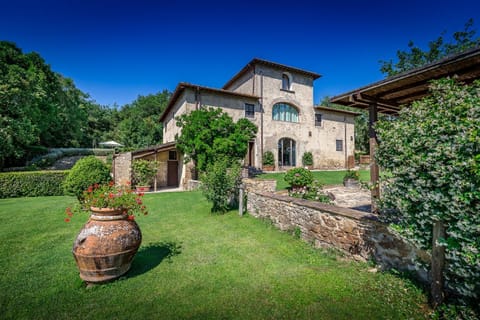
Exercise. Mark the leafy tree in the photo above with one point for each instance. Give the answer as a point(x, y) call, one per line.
point(209, 133)
point(138, 124)
point(431, 154)
point(38, 107)
point(416, 57)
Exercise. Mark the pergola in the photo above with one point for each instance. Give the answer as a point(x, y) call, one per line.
point(390, 95)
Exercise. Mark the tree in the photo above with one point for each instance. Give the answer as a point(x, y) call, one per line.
point(431, 156)
point(139, 125)
point(38, 107)
point(437, 49)
point(209, 133)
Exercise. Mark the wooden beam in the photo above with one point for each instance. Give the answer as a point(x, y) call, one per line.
point(438, 262)
point(374, 171)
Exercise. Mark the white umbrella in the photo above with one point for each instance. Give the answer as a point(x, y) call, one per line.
point(111, 143)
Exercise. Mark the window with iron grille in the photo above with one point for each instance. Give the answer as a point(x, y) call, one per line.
point(249, 110)
point(339, 145)
point(318, 120)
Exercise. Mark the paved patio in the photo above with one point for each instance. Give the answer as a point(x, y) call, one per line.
point(353, 198)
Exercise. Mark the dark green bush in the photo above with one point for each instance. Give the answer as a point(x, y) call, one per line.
point(31, 184)
point(298, 177)
point(268, 159)
point(307, 159)
point(86, 172)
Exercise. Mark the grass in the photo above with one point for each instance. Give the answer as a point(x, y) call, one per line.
point(191, 265)
point(325, 177)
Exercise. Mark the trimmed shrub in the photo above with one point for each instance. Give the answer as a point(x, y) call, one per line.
point(32, 184)
point(86, 172)
point(307, 159)
point(268, 159)
point(298, 177)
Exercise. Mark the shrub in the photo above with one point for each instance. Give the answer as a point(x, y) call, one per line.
point(307, 159)
point(144, 171)
point(351, 174)
point(86, 172)
point(268, 159)
point(32, 184)
point(298, 177)
point(220, 183)
point(312, 192)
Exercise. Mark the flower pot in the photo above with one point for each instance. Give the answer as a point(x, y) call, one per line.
point(268, 168)
point(350, 183)
point(142, 188)
point(105, 247)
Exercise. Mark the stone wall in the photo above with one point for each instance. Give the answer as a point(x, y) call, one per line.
point(122, 168)
point(358, 234)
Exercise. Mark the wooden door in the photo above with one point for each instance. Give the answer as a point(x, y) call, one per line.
point(172, 173)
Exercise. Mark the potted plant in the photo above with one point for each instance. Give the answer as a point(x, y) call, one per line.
point(307, 160)
point(105, 247)
point(143, 173)
point(350, 179)
point(268, 162)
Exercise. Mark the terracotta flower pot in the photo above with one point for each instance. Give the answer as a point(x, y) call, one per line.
point(142, 188)
point(105, 247)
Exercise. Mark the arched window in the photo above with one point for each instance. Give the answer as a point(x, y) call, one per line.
point(287, 151)
point(285, 82)
point(284, 112)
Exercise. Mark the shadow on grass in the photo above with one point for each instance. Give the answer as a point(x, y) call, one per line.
point(151, 255)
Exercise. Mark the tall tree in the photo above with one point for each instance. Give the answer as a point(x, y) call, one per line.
point(38, 107)
point(139, 124)
point(415, 57)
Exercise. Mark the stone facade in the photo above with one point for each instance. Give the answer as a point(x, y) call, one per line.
point(357, 234)
point(263, 86)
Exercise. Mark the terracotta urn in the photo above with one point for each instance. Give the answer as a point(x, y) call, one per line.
point(105, 247)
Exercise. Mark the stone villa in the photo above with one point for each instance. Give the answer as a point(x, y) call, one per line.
point(278, 99)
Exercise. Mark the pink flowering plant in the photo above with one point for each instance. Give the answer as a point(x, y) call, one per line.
point(110, 196)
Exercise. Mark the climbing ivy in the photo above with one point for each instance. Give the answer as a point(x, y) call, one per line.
point(431, 154)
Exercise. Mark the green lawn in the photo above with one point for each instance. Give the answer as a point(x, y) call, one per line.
point(191, 265)
point(325, 177)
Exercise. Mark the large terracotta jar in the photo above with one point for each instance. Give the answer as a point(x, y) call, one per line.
point(105, 247)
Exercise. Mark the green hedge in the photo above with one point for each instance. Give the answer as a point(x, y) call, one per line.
point(32, 183)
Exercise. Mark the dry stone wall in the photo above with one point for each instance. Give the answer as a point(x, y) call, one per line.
point(358, 234)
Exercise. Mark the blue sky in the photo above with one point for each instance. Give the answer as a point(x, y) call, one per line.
point(116, 50)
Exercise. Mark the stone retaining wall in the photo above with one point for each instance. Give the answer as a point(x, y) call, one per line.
point(358, 234)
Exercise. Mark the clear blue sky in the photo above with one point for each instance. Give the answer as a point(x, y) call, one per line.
point(116, 50)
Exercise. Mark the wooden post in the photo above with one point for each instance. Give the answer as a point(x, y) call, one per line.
point(374, 171)
point(438, 262)
point(241, 190)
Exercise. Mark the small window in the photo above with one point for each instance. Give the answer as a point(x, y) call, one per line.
point(172, 155)
point(339, 145)
point(285, 82)
point(318, 120)
point(249, 110)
